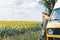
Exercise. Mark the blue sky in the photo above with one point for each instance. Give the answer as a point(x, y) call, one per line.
point(20, 10)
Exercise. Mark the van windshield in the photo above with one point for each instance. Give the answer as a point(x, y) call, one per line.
point(56, 14)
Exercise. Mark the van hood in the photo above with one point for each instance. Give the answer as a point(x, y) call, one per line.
point(53, 24)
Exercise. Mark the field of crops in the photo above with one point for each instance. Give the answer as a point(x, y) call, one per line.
point(10, 29)
point(15, 24)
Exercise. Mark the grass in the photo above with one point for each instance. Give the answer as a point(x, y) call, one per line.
point(26, 36)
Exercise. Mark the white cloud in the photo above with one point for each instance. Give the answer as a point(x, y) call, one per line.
point(20, 10)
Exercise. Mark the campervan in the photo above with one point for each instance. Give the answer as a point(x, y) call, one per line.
point(53, 25)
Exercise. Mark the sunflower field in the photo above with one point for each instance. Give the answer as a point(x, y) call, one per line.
point(9, 30)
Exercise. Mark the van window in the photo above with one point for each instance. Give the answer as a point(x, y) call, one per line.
point(56, 14)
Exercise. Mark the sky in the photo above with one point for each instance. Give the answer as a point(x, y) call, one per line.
point(20, 10)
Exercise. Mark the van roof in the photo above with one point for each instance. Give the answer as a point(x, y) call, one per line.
point(57, 5)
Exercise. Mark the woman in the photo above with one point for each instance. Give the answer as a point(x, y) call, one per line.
point(45, 18)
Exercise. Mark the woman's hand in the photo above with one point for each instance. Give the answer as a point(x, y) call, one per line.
point(43, 32)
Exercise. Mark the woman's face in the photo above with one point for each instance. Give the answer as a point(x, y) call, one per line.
point(44, 16)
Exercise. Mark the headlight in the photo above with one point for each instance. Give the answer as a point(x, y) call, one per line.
point(50, 31)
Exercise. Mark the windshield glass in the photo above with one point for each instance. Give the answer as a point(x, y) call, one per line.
point(56, 14)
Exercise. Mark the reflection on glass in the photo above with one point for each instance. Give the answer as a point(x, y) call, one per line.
point(56, 14)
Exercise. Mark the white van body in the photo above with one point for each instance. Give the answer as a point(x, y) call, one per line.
point(57, 5)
